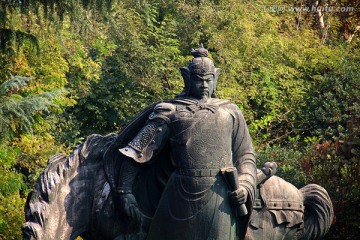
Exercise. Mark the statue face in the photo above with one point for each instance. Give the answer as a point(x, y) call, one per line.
point(201, 86)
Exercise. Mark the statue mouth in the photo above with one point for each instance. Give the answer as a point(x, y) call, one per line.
point(204, 91)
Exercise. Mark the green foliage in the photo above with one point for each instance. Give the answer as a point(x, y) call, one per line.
point(16, 111)
point(336, 167)
point(11, 210)
point(11, 203)
point(13, 84)
point(19, 112)
point(333, 114)
point(289, 163)
point(11, 40)
point(335, 105)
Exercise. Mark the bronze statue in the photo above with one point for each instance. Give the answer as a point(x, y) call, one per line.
point(182, 169)
point(204, 134)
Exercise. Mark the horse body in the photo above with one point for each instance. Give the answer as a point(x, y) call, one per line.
point(74, 197)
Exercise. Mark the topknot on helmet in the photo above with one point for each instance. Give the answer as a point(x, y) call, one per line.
point(200, 52)
point(201, 64)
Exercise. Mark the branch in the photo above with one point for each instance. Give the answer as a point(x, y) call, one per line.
point(320, 16)
point(353, 34)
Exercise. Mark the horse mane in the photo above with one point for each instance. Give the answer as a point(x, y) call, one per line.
point(59, 172)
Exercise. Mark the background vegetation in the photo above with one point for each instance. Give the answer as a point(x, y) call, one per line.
point(69, 68)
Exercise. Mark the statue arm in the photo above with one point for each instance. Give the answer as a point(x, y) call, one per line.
point(243, 155)
point(141, 149)
point(146, 144)
point(128, 172)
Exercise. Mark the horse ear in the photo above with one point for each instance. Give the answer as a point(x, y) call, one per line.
point(185, 73)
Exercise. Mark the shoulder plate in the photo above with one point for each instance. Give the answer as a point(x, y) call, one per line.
point(147, 142)
point(163, 111)
point(219, 102)
point(185, 101)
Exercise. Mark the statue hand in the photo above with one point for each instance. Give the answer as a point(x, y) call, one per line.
point(239, 196)
point(129, 207)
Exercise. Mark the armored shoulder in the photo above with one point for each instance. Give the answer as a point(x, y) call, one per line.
point(232, 109)
point(163, 111)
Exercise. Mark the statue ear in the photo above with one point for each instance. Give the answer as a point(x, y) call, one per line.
point(216, 76)
point(217, 73)
point(185, 73)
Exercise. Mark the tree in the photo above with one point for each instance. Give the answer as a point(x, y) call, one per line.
point(90, 66)
point(18, 113)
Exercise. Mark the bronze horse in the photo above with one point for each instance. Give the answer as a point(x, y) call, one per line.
point(74, 197)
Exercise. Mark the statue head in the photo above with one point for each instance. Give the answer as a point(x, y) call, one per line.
point(200, 75)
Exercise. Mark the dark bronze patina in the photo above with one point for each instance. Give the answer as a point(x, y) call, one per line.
point(182, 169)
point(204, 134)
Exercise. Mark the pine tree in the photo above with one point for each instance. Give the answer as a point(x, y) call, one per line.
point(17, 111)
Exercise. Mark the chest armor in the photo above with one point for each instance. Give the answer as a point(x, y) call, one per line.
point(200, 136)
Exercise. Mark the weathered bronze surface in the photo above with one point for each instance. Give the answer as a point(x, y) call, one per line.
point(170, 175)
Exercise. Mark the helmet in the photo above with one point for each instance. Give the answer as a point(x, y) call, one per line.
point(200, 65)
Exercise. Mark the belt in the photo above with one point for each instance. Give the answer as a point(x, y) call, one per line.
point(198, 172)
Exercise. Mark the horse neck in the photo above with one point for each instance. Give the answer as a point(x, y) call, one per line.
point(58, 207)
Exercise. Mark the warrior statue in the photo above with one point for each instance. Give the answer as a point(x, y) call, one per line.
point(205, 134)
point(181, 169)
